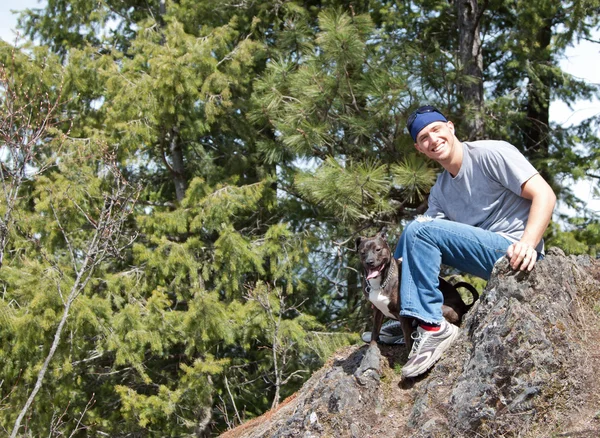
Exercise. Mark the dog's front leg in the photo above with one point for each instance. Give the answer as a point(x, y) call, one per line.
point(407, 328)
point(377, 321)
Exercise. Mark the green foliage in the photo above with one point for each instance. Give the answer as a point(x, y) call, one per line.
point(582, 237)
point(414, 177)
point(331, 101)
point(264, 136)
point(353, 193)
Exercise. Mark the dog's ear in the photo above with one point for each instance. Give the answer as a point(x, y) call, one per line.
point(383, 232)
point(358, 240)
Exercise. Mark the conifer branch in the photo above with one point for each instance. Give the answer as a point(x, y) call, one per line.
point(26, 118)
point(292, 375)
point(231, 54)
point(65, 236)
point(591, 40)
point(354, 102)
point(89, 359)
point(167, 204)
point(107, 229)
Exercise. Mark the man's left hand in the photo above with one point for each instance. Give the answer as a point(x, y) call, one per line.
point(522, 256)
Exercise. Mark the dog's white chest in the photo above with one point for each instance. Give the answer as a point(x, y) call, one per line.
point(380, 301)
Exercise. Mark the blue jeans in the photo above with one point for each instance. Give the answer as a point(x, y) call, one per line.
point(427, 243)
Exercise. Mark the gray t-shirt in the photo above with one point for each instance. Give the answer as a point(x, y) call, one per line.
point(486, 192)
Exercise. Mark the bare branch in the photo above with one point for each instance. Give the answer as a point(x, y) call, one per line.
point(237, 414)
point(64, 233)
point(292, 375)
point(103, 241)
point(89, 404)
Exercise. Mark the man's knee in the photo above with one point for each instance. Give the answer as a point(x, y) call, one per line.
point(417, 226)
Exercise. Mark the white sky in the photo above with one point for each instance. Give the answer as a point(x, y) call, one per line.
point(582, 61)
point(8, 20)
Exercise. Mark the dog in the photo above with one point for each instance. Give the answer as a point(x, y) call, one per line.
point(381, 278)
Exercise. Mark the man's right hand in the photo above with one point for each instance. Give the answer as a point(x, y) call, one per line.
point(522, 256)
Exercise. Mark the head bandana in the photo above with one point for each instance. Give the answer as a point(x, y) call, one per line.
point(424, 119)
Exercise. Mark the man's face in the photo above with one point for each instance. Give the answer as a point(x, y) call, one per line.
point(436, 140)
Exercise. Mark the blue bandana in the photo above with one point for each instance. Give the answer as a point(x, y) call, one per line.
point(424, 119)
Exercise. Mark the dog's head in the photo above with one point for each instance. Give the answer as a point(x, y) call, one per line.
point(375, 254)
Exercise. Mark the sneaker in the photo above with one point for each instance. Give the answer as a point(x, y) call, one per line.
point(390, 333)
point(428, 347)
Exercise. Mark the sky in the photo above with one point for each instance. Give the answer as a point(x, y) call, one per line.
point(582, 61)
point(8, 21)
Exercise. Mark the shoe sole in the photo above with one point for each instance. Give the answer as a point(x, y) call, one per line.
point(434, 357)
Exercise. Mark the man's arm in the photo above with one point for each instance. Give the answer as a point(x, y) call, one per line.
point(522, 254)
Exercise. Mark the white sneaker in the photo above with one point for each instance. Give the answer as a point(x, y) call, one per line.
point(428, 347)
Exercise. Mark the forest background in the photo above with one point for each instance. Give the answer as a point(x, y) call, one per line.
point(183, 182)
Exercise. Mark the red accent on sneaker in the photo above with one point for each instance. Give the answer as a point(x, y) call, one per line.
point(430, 327)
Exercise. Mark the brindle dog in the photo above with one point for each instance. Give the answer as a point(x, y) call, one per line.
point(382, 274)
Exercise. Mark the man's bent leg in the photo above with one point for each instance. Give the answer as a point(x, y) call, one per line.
point(423, 246)
point(427, 243)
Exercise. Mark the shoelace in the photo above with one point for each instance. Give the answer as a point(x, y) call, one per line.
point(417, 338)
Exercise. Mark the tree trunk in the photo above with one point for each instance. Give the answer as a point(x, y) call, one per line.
point(537, 125)
point(177, 166)
point(471, 63)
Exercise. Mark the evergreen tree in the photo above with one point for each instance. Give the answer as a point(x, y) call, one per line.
point(176, 309)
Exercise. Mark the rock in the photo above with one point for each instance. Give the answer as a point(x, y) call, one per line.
point(525, 364)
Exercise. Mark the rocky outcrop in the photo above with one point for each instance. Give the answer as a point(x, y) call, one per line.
point(526, 364)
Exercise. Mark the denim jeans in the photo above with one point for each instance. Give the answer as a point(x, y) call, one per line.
point(427, 243)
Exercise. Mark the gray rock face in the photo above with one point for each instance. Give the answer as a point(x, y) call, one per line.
point(521, 352)
point(526, 364)
point(331, 402)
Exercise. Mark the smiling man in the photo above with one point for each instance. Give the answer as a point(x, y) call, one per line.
point(488, 203)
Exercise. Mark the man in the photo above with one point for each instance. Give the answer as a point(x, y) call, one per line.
point(489, 202)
